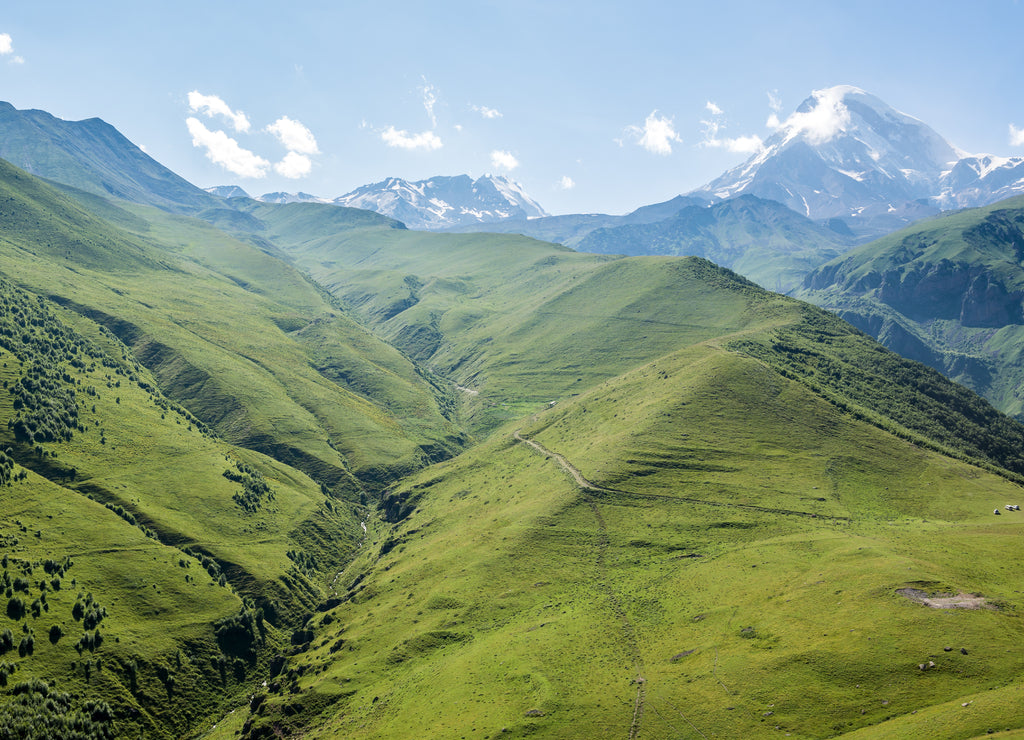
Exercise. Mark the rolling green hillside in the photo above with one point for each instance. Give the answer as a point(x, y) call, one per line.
point(311, 474)
point(713, 543)
point(946, 292)
point(251, 346)
point(151, 569)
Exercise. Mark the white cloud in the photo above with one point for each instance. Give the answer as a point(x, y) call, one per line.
point(429, 93)
point(7, 47)
point(211, 106)
point(827, 118)
point(294, 166)
point(740, 144)
point(503, 160)
point(427, 140)
point(566, 183)
point(1016, 136)
point(294, 136)
point(458, 127)
point(774, 101)
point(715, 110)
point(223, 150)
point(486, 112)
point(656, 135)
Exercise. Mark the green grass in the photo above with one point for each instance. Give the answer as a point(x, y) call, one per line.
point(247, 343)
point(765, 481)
point(133, 492)
point(702, 571)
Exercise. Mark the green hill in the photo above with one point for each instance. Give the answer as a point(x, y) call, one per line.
point(746, 544)
point(247, 343)
point(149, 566)
point(946, 292)
point(318, 475)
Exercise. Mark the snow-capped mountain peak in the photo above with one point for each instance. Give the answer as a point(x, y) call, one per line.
point(844, 153)
point(441, 202)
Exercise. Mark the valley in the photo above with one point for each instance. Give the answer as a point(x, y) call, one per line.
point(293, 469)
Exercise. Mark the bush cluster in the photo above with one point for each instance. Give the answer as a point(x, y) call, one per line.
point(255, 488)
point(36, 711)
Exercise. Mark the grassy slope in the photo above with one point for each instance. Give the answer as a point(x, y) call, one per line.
point(925, 290)
point(740, 567)
point(134, 489)
point(516, 321)
point(247, 343)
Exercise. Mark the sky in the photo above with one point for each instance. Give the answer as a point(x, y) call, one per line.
point(592, 106)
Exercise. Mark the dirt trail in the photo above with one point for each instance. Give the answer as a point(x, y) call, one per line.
point(604, 583)
point(565, 464)
point(586, 485)
point(627, 628)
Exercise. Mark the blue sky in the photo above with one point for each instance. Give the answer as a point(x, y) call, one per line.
point(595, 106)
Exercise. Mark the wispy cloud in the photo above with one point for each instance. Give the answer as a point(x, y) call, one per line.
point(775, 104)
point(294, 166)
point(426, 140)
point(656, 135)
point(566, 183)
point(223, 150)
point(211, 105)
point(739, 144)
point(486, 112)
point(503, 160)
point(7, 49)
point(1016, 136)
point(429, 93)
point(294, 136)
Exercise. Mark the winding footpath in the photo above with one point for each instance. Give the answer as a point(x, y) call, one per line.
point(604, 583)
point(628, 629)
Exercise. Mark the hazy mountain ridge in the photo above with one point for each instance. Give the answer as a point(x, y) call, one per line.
point(93, 156)
point(761, 239)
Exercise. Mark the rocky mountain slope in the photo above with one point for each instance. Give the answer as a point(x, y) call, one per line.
point(946, 292)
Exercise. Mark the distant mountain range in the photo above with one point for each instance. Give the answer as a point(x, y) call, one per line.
point(845, 165)
point(436, 204)
point(442, 202)
point(761, 239)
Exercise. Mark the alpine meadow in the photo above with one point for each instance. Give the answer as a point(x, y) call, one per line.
point(444, 465)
